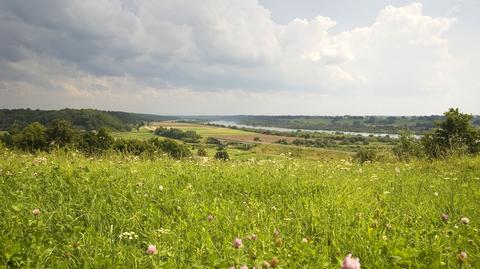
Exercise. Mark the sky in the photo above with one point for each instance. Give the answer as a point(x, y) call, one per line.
point(230, 57)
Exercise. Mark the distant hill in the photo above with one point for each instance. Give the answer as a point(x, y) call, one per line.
point(85, 119)
point(369, 124)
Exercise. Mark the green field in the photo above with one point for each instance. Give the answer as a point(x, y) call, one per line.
point(142, 134)
point(307, 214)
point(261, 150)
point(203, 130)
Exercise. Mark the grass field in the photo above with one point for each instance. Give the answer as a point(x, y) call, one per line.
point(266, 148)
point(103, 212)
point(203, 130)
point(220, 132)
point(141, 134)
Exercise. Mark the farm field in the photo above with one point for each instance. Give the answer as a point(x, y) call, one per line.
point(142, 134)
point(104, 212)
point(220, 132)
point(339, 149)
point(266, 148)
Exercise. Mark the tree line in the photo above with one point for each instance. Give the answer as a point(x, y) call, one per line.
point(84, 119)
point(187, 136)
point(61, 134)
point(369, 124)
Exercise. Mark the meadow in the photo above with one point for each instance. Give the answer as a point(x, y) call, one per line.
point(64, 209)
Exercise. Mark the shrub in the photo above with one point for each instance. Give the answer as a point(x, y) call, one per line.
point(408, 147)
point(214, 141)
point(222, 155)
point(172, 148)
point(202, 152)
point(132, 146)
point(366, 155)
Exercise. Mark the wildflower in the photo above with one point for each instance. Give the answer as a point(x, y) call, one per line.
point(462, 257)
point(237, 243)
point(304, 240)
point(351, 263)
point(465, 220)
point(36, 212)
point(152, 250)
point(128, 235)
point(231, 267)
point(160, 187)
point(209, 217)
point(444, 217)
point(163, 231)
point(397, 170)
point(274, 262)
point(244, 267)
point(276, 232)
point(435, 193)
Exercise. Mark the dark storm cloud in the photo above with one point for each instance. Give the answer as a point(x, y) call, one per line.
point(131, 48)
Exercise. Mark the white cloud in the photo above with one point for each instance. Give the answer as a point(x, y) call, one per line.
point(188, 51)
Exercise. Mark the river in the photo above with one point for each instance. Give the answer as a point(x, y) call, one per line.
point(234, 124)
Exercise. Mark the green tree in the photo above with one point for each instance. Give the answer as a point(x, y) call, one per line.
point(172, 148)
point(454, 135)
point(104, 140)
point(88, 142)
point(32, 138)
point(61, 133)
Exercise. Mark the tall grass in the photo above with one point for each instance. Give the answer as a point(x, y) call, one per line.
point(307, 214)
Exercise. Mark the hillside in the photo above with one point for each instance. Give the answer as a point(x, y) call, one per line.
point(85, 119)
point(368, 124)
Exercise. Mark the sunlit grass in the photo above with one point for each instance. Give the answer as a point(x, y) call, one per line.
point(386, 214)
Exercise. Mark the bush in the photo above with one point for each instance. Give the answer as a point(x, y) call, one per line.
point(222, 155)
point(282, 141)
point(202, 152)
point(133, 146)
point(172, 148)
point(408, 147)
point(213, 141)
point(96, 142)
point(366, 155)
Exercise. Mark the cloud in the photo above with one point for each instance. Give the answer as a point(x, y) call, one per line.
point(123, 49)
